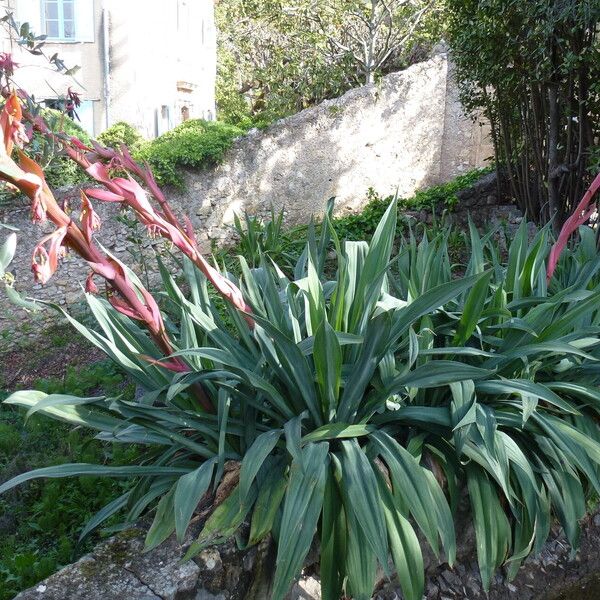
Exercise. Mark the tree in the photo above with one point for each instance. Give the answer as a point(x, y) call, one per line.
point(533, 69)
point(279, 56)
point(371, 32)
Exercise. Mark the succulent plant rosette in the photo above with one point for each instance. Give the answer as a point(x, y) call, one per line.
point(363, 399)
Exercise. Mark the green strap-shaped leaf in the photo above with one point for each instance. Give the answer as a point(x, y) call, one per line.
point(337, 431)
point(414, 490)
point(472, 309)
point(103, 514)
point(188, 492)
point(492, 529)
point(333, 541)
point(327, 355)
point(435, 374)
point(81, 415)
point(404, 546)
point(361, 562)
point(163, 524)
point(360, 484)
point(76, 469)
point(301, 510)
point(254, 459)
point(525, 387)
point(268, 502)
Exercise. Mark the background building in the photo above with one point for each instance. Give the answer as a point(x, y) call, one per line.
point(151, 63)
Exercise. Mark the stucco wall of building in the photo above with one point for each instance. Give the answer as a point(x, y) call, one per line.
point(40, 78)
point(159, 57)
point(162, 59)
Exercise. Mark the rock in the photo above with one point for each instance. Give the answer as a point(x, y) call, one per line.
point(307, 588)
point(210, 559)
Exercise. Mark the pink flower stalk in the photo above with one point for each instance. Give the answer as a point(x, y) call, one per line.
point(580, 215)
point(44, 261)
point(130, 299)
point(161, 222)
point(90, 220)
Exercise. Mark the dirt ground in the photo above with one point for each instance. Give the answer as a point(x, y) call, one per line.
point(47, 356)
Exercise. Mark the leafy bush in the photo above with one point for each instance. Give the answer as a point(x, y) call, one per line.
point(359, 407)
point(532, 69)
point(121, 133)
point(435, 198)
point(194, 143)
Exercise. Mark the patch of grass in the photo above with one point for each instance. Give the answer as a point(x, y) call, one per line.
point(40, 523)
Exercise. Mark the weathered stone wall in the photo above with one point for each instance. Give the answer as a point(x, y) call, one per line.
point(404, 133)
point(118, 569)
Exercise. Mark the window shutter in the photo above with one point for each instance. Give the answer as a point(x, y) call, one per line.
point(84, 20)
point(30, 11)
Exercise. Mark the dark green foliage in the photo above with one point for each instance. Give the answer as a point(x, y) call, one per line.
point(533, 69)
point(121, 133)
point(193, 144)
point(435, 199)
point(363, 404)
point(40, 524)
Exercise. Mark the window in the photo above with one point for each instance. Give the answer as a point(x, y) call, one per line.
point(59, 19)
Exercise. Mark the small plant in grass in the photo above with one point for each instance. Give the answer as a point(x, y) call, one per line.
point(359, 402)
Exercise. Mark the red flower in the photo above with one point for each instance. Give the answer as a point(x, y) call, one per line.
point(45, 261)
point(7, 64)
point(72, 101)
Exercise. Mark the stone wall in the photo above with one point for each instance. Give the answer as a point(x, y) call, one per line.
point(404, 133)
point(118, 569)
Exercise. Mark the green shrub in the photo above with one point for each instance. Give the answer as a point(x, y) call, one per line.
point(193, 144)
point(363, 405)
point(435, 199)
point(121, 133)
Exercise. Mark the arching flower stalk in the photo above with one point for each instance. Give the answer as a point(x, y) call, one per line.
point(585, 209)
point(98, 161)
point(127, 297)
